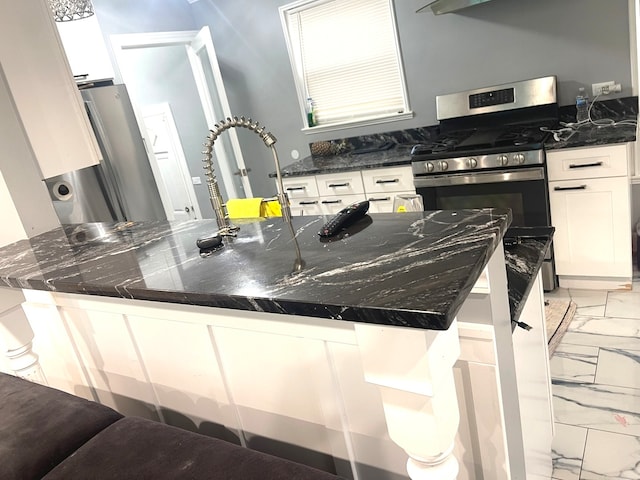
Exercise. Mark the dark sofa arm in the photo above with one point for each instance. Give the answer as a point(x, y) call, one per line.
point(41, 426)
point(46, 433)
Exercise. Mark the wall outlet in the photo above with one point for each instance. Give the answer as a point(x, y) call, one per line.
point(605, 88)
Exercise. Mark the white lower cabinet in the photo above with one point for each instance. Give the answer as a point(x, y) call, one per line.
point(592, 220)
point(331, 205)
point(329, 193)
point(589, 196)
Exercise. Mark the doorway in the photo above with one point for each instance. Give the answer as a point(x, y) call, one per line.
point(180, 69)
point(165, 144)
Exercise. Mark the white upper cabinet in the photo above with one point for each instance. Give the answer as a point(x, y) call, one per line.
point(43, 89)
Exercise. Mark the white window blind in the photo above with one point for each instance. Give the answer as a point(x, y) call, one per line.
point(345, 54)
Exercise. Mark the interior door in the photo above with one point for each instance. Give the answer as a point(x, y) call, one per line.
point(166, 146)
point(180, 68)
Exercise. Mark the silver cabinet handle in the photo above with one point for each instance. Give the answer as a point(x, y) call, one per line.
point(314, 202)
point(380, 199)
point(291, 189)
point(334, 185)
point(331, 201)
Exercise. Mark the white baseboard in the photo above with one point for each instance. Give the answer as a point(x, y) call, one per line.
point(595, 283)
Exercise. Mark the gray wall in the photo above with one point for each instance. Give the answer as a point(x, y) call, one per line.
point(580, 41)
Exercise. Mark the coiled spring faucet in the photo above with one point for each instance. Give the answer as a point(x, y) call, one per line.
point(219, 207)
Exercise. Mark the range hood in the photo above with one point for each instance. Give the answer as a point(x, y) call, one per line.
point(447, 6)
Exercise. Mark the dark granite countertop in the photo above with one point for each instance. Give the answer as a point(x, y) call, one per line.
point(524, 251)
point(412, 270)
point(590, 135)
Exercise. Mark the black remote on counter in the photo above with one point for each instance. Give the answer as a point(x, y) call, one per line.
point(345, 217)
point(210, 242)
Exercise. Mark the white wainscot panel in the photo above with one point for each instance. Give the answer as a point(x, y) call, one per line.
point(283, 389)
point(111, 360)
point(181, 364)
point(53, 346)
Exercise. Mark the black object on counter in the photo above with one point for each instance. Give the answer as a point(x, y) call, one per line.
point(210, 242)
point(345, 217)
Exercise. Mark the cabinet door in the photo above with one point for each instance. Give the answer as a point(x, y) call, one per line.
point(305, 206)
point(593, 223)
point(331, 205)
point(383, 202)
point(390, 179)
point(300, 187)
point(344, 183)
point(43, 89)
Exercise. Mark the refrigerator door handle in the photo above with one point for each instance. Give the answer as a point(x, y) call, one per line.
point(111, 184)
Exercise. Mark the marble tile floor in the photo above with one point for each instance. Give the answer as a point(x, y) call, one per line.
point(596, 387)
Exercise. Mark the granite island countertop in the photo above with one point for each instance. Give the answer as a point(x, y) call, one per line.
point(524, 252)
point(412, 270)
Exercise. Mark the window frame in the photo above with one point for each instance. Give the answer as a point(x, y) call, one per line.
point(299, 77)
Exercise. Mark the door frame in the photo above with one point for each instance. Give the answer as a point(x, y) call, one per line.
point(131, 41)
point(164, 109)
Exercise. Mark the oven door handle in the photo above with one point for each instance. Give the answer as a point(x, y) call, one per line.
point(514, 175)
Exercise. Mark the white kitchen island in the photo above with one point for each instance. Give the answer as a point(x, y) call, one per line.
point(317, 366)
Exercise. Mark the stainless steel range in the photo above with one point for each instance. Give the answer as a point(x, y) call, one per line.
point(490, 153)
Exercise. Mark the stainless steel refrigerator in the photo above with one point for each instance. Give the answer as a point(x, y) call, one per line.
point(122, 186)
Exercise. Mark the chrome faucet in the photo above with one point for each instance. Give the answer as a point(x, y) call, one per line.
point(219, 207)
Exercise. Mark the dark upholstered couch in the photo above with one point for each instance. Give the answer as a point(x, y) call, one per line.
point(49, 434)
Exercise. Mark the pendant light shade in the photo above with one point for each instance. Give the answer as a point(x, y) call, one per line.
point(67, 10)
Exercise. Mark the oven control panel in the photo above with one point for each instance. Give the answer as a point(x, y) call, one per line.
point(495, 97)
point(476, 162)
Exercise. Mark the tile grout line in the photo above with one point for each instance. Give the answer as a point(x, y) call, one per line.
point(595, 373)
point(584, 451)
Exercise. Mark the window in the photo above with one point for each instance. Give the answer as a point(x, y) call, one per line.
point(345, 56)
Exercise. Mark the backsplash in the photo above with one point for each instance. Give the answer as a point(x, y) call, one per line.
point(368, 143)
point(615, 109)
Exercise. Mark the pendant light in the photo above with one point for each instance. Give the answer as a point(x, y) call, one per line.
point(67, 10)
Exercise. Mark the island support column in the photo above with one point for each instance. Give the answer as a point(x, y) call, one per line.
point(16, 337)
point(413, 369)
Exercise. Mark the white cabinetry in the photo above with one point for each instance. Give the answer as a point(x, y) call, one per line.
point(43, 89)
point(328, 193)
point(383, 184)
point(589, 194)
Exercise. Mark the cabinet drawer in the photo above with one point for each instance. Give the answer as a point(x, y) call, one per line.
point(593, 162)
point(347, 183)
point(305, 206)
point(333, 204)
point(383, 202)
point(392, 179)
point(300, 187)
